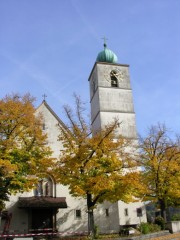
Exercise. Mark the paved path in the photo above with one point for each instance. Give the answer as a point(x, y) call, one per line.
point(175, 236)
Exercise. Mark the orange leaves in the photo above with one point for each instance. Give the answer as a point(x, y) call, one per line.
point(22, 143)
point(93, 164)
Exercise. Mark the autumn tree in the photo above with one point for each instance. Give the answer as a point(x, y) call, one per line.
point(94, 166)
point(160, 158)
point(23, 153)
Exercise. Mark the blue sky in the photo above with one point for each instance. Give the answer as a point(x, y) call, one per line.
point(50, 46)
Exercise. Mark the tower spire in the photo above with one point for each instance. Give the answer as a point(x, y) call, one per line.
point(106, 55)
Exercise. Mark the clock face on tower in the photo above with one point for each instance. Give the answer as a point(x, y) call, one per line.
point(115, 72)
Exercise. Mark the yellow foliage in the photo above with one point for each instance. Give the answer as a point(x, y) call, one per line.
point(160, 158)
point(96, 165)
point(22, 144)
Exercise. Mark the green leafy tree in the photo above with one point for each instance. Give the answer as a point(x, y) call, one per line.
point(23, 152)
point(94, 166)
point(160, 158)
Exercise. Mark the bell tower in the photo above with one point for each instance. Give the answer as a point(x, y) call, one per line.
point(111, 94)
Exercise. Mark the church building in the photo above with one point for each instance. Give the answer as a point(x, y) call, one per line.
point(50, 205)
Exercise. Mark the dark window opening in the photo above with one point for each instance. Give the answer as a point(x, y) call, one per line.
point(94, 86)
point(78, 213)
point(126, 212)
point(107, 212)
point(139, 212)
point(114, 81)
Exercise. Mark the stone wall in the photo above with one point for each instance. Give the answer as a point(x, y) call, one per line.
point(173, 226)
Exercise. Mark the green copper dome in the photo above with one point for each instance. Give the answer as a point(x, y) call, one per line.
point(107, 56)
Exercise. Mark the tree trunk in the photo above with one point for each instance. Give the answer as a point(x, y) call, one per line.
point(90, 215)
point(163, 209)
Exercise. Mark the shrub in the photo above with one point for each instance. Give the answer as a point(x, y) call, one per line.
point(176, 217)
point(154, 228)
point(146, 228)
point(160, 221)
point(96, 231)
point(124, 232)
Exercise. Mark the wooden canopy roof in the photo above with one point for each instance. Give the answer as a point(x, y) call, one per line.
point(42, 202)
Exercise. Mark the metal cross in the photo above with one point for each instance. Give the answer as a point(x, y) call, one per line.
point(44, 96)
point(105, 39)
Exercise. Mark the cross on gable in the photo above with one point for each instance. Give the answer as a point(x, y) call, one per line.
point(44, 96)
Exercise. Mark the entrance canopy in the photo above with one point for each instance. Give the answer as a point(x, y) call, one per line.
point(42, 202)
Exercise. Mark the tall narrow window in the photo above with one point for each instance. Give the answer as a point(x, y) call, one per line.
point(44, 187)
point(126, 212)
point(94, 86)
point(114, 81)
point(107, 212)
point(38, 191)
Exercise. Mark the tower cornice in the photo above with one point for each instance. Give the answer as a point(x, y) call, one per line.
point(105, 63)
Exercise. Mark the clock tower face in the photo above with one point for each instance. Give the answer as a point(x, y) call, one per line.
point(114, 72)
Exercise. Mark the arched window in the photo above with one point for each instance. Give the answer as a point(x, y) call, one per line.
point(114, 80)
point(93, 86)
point(44, 187)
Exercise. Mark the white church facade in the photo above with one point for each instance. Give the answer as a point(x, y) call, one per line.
point(51, 206)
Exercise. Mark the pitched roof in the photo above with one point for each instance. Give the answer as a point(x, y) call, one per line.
point(53, 113)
